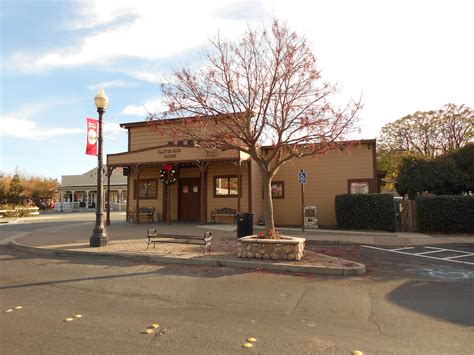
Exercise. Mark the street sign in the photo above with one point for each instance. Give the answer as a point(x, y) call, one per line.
point(302, 177)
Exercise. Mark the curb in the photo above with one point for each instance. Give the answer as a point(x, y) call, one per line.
point(280, 267)
point(342, 242)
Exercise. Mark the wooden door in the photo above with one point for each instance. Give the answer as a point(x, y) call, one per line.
point(189, 199)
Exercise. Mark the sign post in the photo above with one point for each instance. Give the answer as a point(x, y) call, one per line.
point(302, 181)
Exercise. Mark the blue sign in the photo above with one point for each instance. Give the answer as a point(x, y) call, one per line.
point(302, 177)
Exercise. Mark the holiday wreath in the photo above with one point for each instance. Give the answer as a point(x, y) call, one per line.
point(168, 174)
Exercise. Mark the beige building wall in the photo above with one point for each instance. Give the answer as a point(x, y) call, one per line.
point(145, 137)
point(327, 176)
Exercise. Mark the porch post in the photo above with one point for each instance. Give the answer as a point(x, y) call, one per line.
point(136, 190)
point(109, 172)
point(249, 173)
point(72, 197)
point(87, 199)
point(120, 198)
point(203, 170)
point(239, 183)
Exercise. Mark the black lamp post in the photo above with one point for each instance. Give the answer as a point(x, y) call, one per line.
point(99, 235)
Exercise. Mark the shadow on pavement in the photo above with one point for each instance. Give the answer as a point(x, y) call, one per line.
point(161, 269)
point(445, 301)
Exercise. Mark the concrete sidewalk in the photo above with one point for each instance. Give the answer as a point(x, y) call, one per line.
point(128, 242)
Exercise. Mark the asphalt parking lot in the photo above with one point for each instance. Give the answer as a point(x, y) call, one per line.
point(450, 263)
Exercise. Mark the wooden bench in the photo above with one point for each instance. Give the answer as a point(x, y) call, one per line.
point(153, 238)
point(149, 213)
point(223, 212)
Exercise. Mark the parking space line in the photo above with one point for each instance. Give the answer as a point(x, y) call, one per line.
point(430, 252)
point(419, 255)
point(456, 251)
point(459, 256)
point(405, 248)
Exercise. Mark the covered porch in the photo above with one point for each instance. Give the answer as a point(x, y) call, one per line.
point(203, 184)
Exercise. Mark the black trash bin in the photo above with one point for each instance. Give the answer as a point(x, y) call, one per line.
point(244, 224)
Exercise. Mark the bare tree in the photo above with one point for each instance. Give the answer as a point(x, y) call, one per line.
point(263, 95)
point(456, 125)
point(430, 133)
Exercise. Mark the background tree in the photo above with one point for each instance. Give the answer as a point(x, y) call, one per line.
point(15, 190)
point(3, 189)
point(264, 89)
point(19, 189)
point(428, 134)
point(423, 134)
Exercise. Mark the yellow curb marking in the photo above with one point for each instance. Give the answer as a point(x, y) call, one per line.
point(69, 319)
point(248, 345)
point(9, 310)
point(18, 307)
point(251, 340)
point(154, 325)
point(78, 316)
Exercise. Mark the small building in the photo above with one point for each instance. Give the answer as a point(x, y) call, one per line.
point(79, 192)
point(208, 181)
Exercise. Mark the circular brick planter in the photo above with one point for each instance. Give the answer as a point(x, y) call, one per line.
point(286, 248)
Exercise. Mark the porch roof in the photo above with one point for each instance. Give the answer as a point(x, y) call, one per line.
point(172, 154)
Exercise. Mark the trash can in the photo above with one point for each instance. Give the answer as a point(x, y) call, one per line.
point(244, 224)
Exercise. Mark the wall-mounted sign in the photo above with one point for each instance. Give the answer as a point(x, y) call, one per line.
point(169, 152)
point(360, 187)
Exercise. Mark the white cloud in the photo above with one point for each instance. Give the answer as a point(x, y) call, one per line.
point(153, 105)
point(149, 75)
point(112, 130)
point(28, 129)
point(111, 84)
point(158, 29)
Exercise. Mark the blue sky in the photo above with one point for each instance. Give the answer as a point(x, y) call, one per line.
point(403, 56)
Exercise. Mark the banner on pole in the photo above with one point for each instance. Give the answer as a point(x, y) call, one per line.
point(92, 129)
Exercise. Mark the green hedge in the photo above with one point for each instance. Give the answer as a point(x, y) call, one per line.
point(447, 214)
point(372, 211)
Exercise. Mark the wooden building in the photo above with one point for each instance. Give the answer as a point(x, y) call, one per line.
point(208, 181)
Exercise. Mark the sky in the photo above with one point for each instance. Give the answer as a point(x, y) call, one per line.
point(401, 56)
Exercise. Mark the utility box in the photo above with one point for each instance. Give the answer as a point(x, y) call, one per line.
point(310, 217)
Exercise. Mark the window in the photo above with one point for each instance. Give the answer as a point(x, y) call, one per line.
point(278, 189)
point(359, 187)
point(147, 189)
point(226, 186)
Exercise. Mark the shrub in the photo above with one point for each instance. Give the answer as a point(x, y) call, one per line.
point(447, 214)
point(15, 211)
point(372, 211)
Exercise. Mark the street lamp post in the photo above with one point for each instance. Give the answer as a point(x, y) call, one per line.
point(99, 235)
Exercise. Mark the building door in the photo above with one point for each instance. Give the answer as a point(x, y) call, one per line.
point(189, 199)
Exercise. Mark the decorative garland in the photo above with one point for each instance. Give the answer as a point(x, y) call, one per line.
point(168, 174)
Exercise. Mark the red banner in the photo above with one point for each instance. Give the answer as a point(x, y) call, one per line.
point(92, 129)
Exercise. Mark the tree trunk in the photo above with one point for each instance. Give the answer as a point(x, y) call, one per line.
point(267, 199)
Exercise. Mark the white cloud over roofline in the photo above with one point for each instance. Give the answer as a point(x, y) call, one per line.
point(153, 106)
